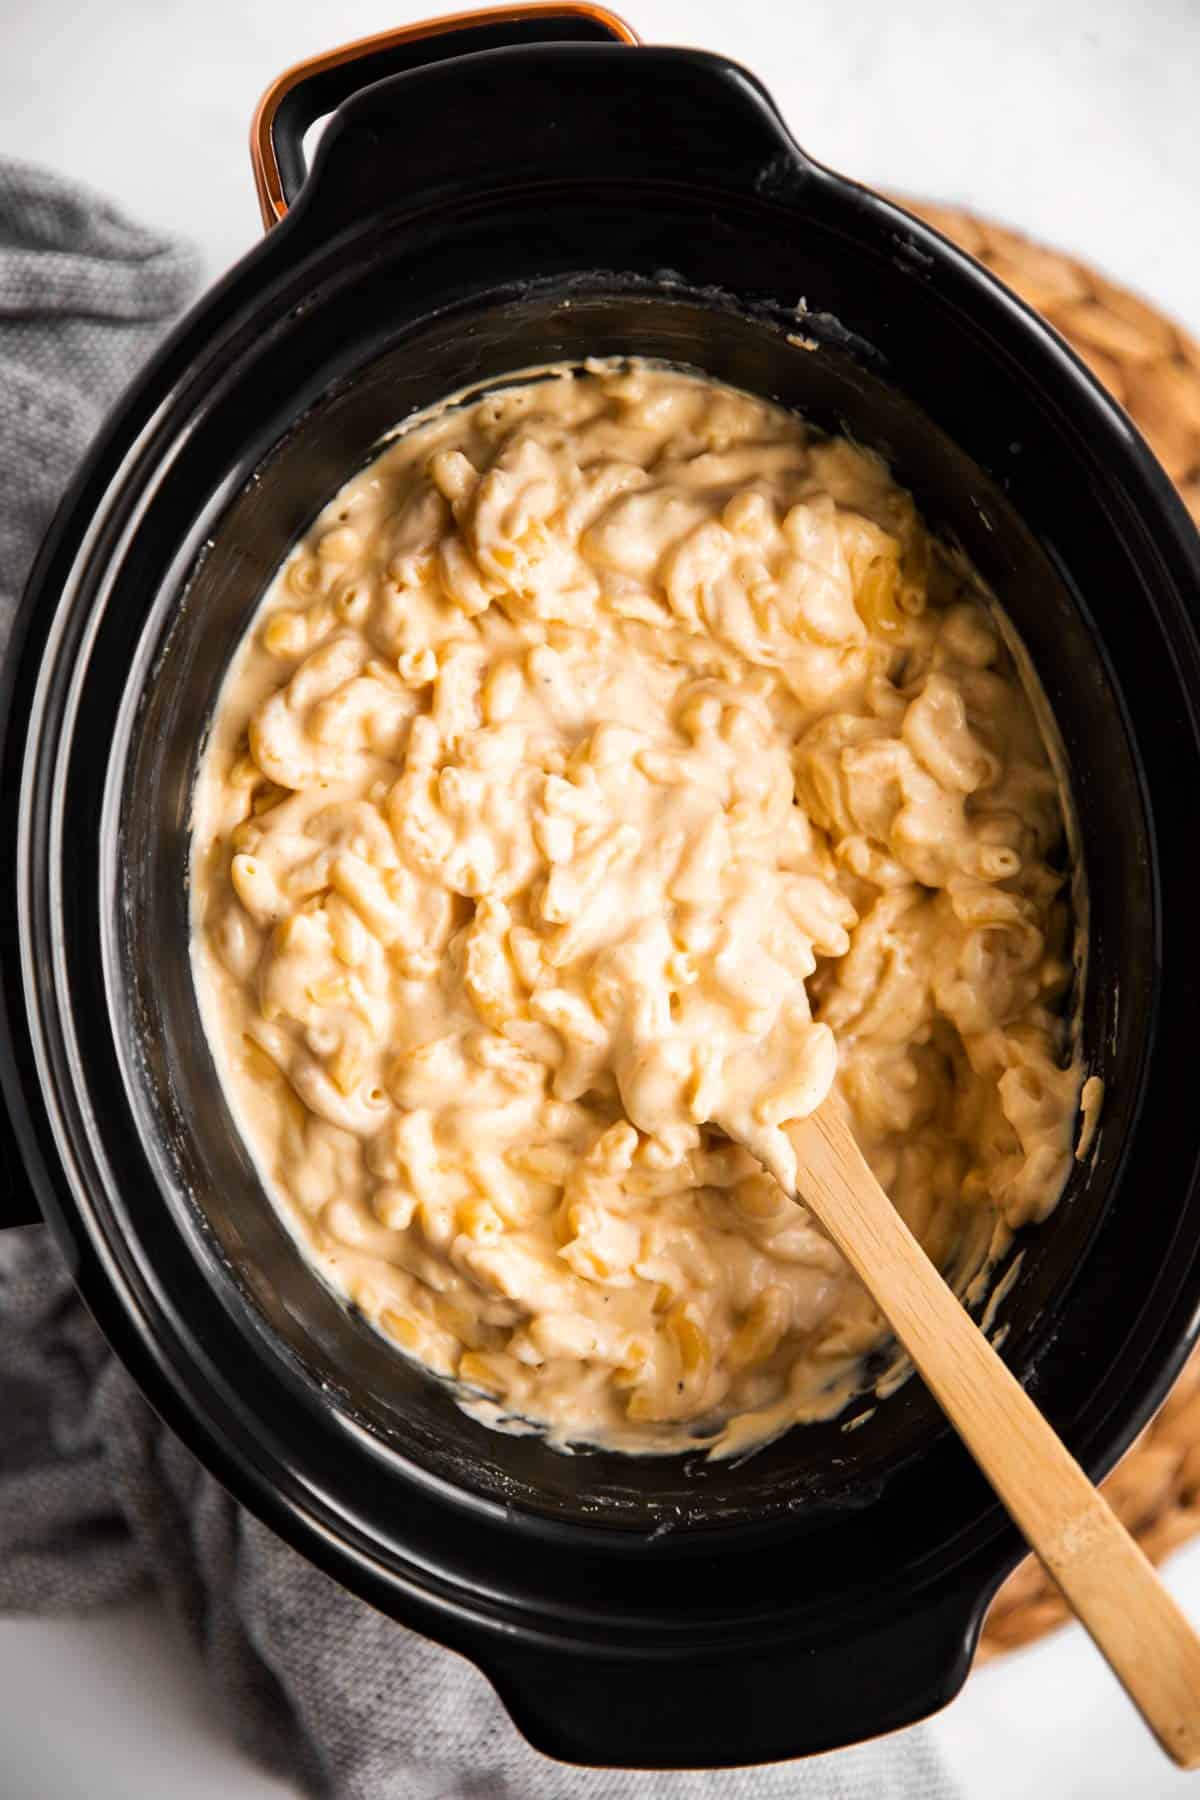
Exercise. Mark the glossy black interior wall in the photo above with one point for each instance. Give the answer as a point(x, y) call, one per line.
point(189, 1115)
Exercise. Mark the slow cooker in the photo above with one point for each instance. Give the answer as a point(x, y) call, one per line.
point(495, 191)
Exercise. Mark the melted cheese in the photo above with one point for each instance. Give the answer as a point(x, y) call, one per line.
point(614, 766)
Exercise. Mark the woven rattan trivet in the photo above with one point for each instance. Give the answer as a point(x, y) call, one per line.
point(1153, 369)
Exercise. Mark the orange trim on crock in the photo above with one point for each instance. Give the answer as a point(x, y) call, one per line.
point(267, 179)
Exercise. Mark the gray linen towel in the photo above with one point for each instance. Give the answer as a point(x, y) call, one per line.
point(96, 1496)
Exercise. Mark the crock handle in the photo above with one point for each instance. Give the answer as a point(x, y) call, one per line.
point(680, 1713)
point(466, 128)
point(309, 90)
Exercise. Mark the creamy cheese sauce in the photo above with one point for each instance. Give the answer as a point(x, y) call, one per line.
point(613, 769)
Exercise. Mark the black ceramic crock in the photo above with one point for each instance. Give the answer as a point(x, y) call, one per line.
point(505, 191)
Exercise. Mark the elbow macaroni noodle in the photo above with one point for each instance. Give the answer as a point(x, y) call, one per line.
point(617, 765)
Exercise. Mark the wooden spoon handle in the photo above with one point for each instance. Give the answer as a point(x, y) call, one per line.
point(1105, 1578)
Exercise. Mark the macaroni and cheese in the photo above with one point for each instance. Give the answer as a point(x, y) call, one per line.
point(613, 769)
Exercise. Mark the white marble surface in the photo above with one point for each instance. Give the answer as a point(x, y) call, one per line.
point(1076, 122)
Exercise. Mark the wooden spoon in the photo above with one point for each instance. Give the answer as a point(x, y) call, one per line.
point(1104, 1577)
